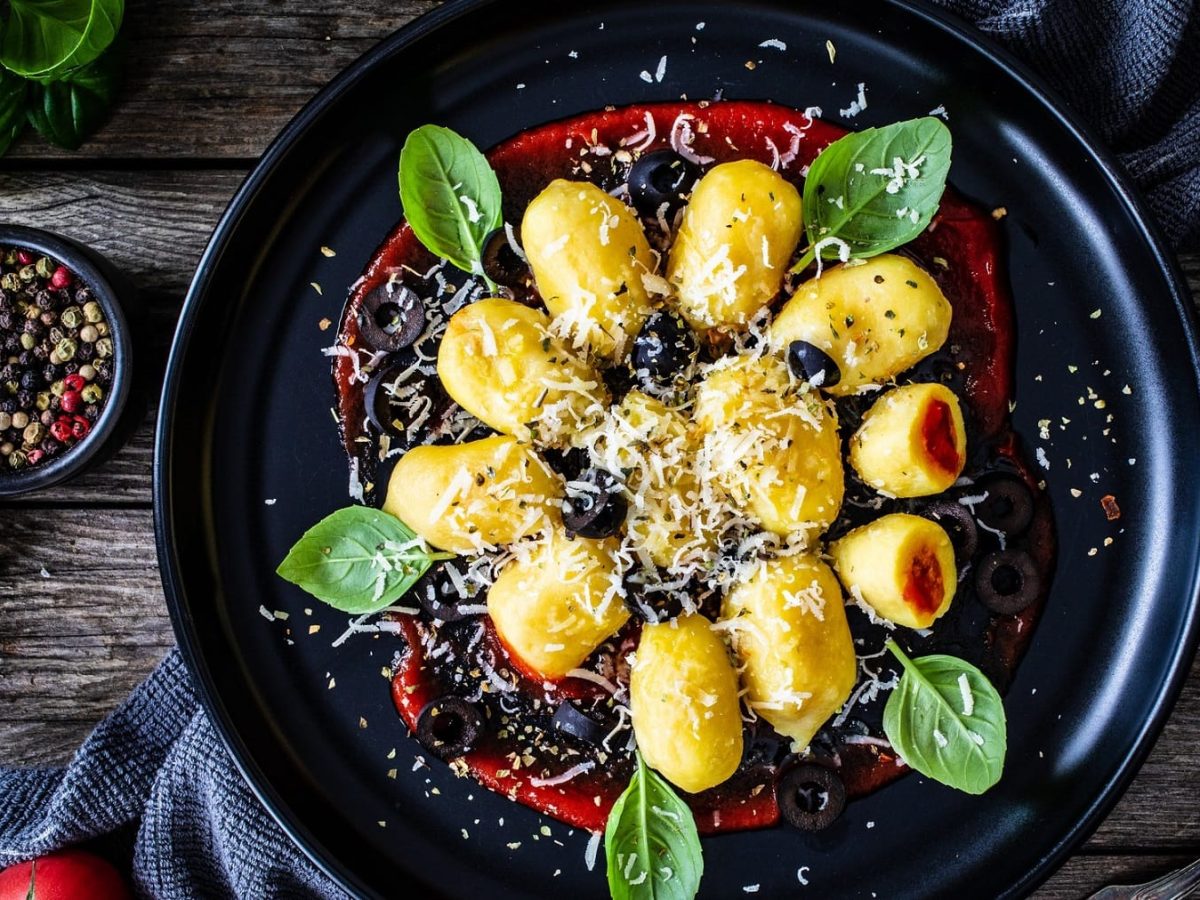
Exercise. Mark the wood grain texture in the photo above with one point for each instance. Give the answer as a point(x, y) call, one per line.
point(1084, 874)
point(219, 79)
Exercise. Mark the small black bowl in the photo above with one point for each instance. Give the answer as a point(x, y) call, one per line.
point(114, 293)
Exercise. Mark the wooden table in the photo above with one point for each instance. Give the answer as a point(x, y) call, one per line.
point(82, 617)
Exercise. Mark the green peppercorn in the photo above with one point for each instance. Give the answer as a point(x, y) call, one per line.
point(89, 334)
point(72, 317)
point(102, 327)
point(43, 401)
point(10, 281)
point(92, 312)
point(66, 349)
point(56, 334)
point(10, 258)
point(34, 433)
point(104, 348)
point(17, 459)
point(28, 273)
point(44, 267)
point(92, 393)
point(11, 387)
point(87, 372)
point(5, 421)
point(20, 419)
point(28, 341)
point(57, 388)
point(31, 312)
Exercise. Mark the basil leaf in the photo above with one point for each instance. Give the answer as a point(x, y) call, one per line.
point(67, 112)
point(651, 842)
point(953, 734)
point(450, 194)
point(358, 560)
point(13, 97)
point(47, 38)
point(876, 189)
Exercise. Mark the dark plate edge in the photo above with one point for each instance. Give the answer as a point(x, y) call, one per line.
point(1055, 105)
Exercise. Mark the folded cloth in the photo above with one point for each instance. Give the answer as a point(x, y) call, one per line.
point(157, 765)
point(1129, 67)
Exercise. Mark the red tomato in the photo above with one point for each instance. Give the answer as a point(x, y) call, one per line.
point(66, 875)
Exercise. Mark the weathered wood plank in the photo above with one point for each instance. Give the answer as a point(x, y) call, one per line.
point(1083, 875)
point(82, 621)
point(220, 79)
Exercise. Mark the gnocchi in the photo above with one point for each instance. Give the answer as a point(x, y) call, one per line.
point(900, 565)
point(499, 362)
point(876, 319)
point(464, 497)
point(788, 628)
point(589, 254)
point(683, 696)
point(555, 605)
point(912, 441)
point(739, 231)
point(773, 445)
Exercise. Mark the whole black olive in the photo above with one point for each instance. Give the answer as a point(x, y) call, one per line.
point(959, 525)
point(501, 262)
point(663, 348)
point(595, 506)
point(810, 797)
point(449, 726)
point(587, 726)
point(657, 178)
point(392, 316)
point(1007, 581)
point(814, 365)
point(1008, 506)
point(377, 399)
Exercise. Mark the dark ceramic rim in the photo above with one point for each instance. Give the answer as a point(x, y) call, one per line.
point(993, 53)
point(80, 260)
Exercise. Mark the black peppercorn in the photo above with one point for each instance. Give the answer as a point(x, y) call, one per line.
point(34, 327)
point(83, 295)
point(25, 399)
point(6, 321)
point(92, 411)
point(71, 368)
point(85, 352)
point(50, 446)
point(8, 405)
point(30, 380)
point(25, 358)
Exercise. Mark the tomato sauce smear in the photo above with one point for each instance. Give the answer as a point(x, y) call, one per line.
point(961, 249)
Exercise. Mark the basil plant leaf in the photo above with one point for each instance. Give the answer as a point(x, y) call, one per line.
point(873, 190)
point(67, 112)
point(359, 560)
point(450, 194)
point(45, 39)
point(13, 99)
point(651, 843)
point(947, 721)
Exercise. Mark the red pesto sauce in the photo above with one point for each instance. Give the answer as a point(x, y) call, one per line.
point(961, 234)
point(923, 589)
point(937, 433)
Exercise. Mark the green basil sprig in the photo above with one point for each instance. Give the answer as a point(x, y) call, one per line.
point(358, 560)
point(66, 112)
point(47, 38)
point(651, 843)
point(947, 721)
point(13, 94)
point(873, 190)
point(450, 194)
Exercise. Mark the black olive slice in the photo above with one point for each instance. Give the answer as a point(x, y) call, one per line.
point(597, 508)
point(444, 609)
point(657, 178)
point(570, 464)
point(584, 725)
point(959, 525)
point(810, 797)
point(449, 726)
point(662, 349)
point(1008, 506)
point(1007, 581)
point(376, 399)
point(814, 365)
point(391, 317)
point(501, 262)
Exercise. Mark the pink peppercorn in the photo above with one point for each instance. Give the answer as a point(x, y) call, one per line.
point(35, 456)
point(24, 257)
point(61, 429)
point(74, 382)
point(61, 278)
point(80, 427)
point(70, 401)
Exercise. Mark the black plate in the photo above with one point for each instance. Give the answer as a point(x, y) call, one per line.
point(246, 418)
